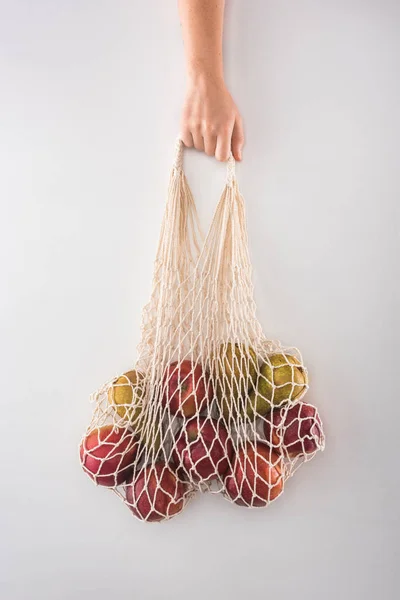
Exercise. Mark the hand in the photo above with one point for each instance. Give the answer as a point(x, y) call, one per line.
point(211, 121)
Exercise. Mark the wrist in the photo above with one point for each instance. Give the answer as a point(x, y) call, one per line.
point(203, 75)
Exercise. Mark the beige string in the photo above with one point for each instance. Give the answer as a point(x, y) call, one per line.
point(201, 304)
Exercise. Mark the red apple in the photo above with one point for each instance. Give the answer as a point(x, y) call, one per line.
point(299, 428)
point(107, 454)
point(155, 493)
point(256, 477)
point(203, 448)
point(186, 388)
point(273, 432)
point(302, 432)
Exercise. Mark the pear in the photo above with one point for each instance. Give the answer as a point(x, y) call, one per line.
point(125, 396)
point(281, 379)
point(236, 371)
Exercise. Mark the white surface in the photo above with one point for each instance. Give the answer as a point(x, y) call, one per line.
point(89, 109)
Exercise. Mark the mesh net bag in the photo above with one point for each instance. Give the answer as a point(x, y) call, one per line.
point(211, 403)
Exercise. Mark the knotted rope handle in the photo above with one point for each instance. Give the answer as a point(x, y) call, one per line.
point(178, 163)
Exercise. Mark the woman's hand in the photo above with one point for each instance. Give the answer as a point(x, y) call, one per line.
point(211, 121)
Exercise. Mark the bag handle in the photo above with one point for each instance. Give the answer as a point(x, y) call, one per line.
point(178, 163)
point(181, 241)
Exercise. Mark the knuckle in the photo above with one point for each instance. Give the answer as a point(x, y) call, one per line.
point(209, 129)
point(225, 133)
point(227, 124)
point(225, 128)
point(195, 126)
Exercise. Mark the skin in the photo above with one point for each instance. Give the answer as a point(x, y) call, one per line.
point(210, 119)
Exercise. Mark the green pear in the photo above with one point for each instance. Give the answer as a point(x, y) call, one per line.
point(281, 379)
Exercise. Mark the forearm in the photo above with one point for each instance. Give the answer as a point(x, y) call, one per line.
point(202, 28)
point(210, 119)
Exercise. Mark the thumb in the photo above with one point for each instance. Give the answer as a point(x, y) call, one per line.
point(237, 139)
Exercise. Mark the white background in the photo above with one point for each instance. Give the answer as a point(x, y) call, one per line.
point(90, 100)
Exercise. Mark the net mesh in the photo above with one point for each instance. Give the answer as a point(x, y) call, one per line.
point(211, 404)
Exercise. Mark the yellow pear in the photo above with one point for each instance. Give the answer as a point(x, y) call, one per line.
point(125, 396)
point(281, 379)
point(235, 372)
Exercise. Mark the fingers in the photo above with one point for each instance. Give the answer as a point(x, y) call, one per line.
point(192, 137)
point(223, 148)
point(237, 139)
point(230, 139)
point(211, 121)
point(210, 144)
point(205, 142)
point(198, 141)
point(186, 138)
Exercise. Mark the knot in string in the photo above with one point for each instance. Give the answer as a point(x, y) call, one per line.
point(230, 171)
point(178, 162)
